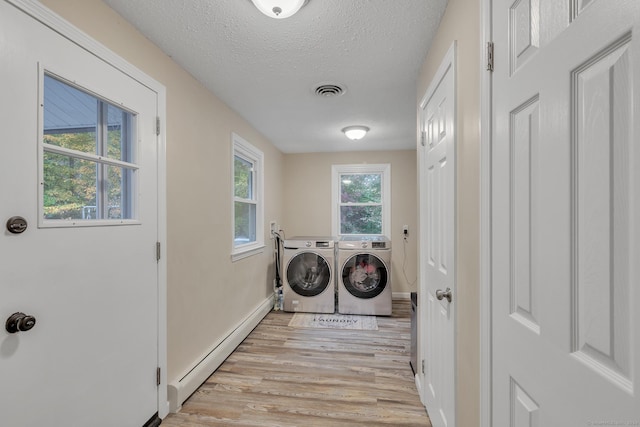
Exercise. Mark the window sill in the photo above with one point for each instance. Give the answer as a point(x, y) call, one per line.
point(62, 223)
point(246, 252)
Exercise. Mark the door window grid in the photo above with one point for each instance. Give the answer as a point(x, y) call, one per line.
point(87, 155)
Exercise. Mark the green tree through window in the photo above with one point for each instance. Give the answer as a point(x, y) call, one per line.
point(361, 196)
point(361, 204)
point(83, 137)
point(248, 192)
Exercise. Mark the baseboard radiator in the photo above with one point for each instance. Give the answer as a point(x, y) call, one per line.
point(179, 391)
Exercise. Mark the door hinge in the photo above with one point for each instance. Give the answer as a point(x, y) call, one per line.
point(157, 251)
point(157, 125)
point(423, 366)
point(158, 376)
point(489, 56)
point(423, 138)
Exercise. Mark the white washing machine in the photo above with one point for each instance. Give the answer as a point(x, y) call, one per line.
point(309, 279)
point(364, 275)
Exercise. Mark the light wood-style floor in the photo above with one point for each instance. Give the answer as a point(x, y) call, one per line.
point(282, 376)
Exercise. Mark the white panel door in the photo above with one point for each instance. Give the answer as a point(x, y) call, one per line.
point(437, 244)
point(91, 358)
point(565, 213)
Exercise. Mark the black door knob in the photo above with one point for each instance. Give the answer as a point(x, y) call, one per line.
point(19, 322)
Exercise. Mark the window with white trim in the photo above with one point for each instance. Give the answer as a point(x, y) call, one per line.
point(361, 199)
point(248, 184)
point(88, 170)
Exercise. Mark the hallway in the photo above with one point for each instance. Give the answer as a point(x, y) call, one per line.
point(283, 376)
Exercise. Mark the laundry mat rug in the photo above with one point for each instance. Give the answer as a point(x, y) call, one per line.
point(334, 321)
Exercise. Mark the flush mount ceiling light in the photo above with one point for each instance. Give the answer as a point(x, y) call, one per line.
point(279, 9)
point(355, 133)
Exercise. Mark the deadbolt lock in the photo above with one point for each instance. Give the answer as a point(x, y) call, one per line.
point(16, 224)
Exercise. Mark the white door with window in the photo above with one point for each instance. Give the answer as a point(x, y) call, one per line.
point(436, 306)
point(566, 213)
point(79, 169)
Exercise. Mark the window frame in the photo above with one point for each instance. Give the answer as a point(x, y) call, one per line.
point(337, 171)
point(247, 151)
point(102, 161)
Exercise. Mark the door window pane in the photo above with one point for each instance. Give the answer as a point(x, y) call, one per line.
point(118, 192)
point(70, 116)
point(69, 187)
point(118, 134)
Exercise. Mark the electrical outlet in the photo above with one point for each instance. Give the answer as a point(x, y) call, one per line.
point(405, 230)
point(274, 228)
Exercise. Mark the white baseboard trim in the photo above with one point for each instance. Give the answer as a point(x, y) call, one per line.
point(401, 295)
point(420, 390)
point(179, 391)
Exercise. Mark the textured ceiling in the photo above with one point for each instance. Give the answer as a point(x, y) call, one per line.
point(267, 69)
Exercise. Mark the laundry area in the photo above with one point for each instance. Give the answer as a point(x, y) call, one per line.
point(319, 212)
point(144, 199)
point(349, 275)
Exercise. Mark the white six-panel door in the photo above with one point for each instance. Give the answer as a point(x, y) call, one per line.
point(566, 213)
point(436, 153)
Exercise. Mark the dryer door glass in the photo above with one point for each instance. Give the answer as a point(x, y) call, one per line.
point(364, 275)
point(308, 274)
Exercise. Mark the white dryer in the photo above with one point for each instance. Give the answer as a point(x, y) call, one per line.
point(308, 279)
point(364, 275)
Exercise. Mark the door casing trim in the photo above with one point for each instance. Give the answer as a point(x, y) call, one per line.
point(486, 121)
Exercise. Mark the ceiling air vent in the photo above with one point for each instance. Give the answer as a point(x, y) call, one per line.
point(329, 90)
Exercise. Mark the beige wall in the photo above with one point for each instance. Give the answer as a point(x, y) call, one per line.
point(461, 22)
point(307, 197)
point(207, 294)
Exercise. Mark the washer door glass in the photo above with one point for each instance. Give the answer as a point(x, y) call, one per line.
point(364, 275)
point(308, 274)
